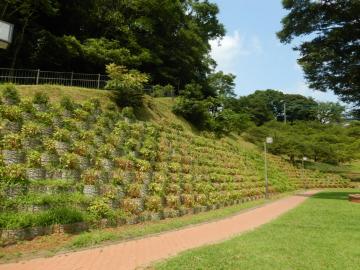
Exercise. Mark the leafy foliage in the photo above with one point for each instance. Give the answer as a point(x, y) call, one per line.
point(330, 58)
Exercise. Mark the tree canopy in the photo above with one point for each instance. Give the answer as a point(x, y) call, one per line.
point(167, 39)
point(330, 56)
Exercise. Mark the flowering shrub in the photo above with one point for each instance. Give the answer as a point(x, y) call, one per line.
point(30, 129)
point(33, 159)
point(11, 141)
point(153, 203)
point(69, 161)
point(12, 113)
point(90, 176)
point(62, 135)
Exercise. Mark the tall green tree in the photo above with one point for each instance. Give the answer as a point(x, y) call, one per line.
point(330, 55)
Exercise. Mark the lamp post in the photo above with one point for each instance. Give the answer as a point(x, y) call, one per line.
point(304, 159)
point(284, 109)
point(268, 140)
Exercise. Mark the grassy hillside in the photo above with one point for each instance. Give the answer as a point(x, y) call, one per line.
point(79, 163)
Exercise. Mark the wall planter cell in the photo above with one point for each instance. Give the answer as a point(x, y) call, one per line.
point(84, 162)
point(132, 220)
point(31, 143)
point(70, 174)
point(70, 228)
point(15, 191)
point(106, 164)
point(13, 157)
point(27, 116)
point(145, 216)
point(12, 127)
point(156, 216)
point(171, 213)
point(53, 174)
point(40, 107)
point(49, 159)
point(37, 208)
point(90, 190)
point(35, 173)
point(47, 131)
point(61, 147)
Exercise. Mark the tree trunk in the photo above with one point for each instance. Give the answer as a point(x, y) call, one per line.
point(21, 39)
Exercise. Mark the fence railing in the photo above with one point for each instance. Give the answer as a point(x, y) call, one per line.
point(37, 76)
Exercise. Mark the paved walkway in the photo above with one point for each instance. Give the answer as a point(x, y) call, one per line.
point(138, 253)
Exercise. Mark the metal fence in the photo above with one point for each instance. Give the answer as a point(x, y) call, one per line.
point(37, 76)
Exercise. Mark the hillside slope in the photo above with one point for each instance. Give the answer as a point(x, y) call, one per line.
point(71, 164)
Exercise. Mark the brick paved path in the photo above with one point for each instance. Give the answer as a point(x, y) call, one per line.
point(137, 253)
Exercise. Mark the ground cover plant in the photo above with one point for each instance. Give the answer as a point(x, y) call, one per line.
point(322, 233)
point(110, 169)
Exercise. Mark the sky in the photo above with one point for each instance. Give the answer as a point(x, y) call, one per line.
point(251, 51)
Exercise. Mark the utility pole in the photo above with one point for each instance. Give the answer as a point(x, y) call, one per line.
point(284, 112)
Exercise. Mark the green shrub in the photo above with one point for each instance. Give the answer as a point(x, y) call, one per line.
point(13, 174)
point(11, 141)
point(69, 161)
point(153, 203)
point(12, 113)
point(62, 135)
point(163, 91)
point(26, 105)
point(90, 176)
point(33, 159)
point(49, 145)
point(100, 208)
point(30, 129)
point(41, 98)
point(80, 148)
point(67, 103)
point(129, 85)
point(10, 92)
point(45, 118)
point(128, 112)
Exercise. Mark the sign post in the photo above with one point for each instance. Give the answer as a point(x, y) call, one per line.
point(6, 34)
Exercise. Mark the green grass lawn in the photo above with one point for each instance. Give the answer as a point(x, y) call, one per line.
point(322, 233)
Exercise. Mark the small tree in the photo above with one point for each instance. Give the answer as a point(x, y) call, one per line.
point(128, 84)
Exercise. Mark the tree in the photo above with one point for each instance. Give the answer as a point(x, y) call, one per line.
point(331, 55)
point(330, 112)
point(167, 39)
point(129, 85)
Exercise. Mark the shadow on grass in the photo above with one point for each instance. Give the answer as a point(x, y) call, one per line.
point(339, 195)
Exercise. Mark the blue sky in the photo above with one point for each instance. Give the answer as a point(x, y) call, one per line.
point(252, 52)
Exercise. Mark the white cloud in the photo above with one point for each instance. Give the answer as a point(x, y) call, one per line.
point(227, 51)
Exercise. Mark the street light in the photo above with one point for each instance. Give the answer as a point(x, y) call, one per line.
point(284, 104)
point(269, 140)
point(304, 159)
point(6, 32)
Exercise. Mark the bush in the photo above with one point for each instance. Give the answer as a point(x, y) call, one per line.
point(30, 129)
point(67, 103)
point(62, 135)
point(100, 208)
point(13, 174)
point(9, 92)
point(33, 159)
point(12, 113)
point(163, 91)
point(153, 203)
point(129, 85)
point(69, 161)
point(90, 176)
point(41, 98)
point(11, 142)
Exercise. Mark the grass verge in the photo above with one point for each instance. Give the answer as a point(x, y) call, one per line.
point(54, 244)
point(322, 233)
